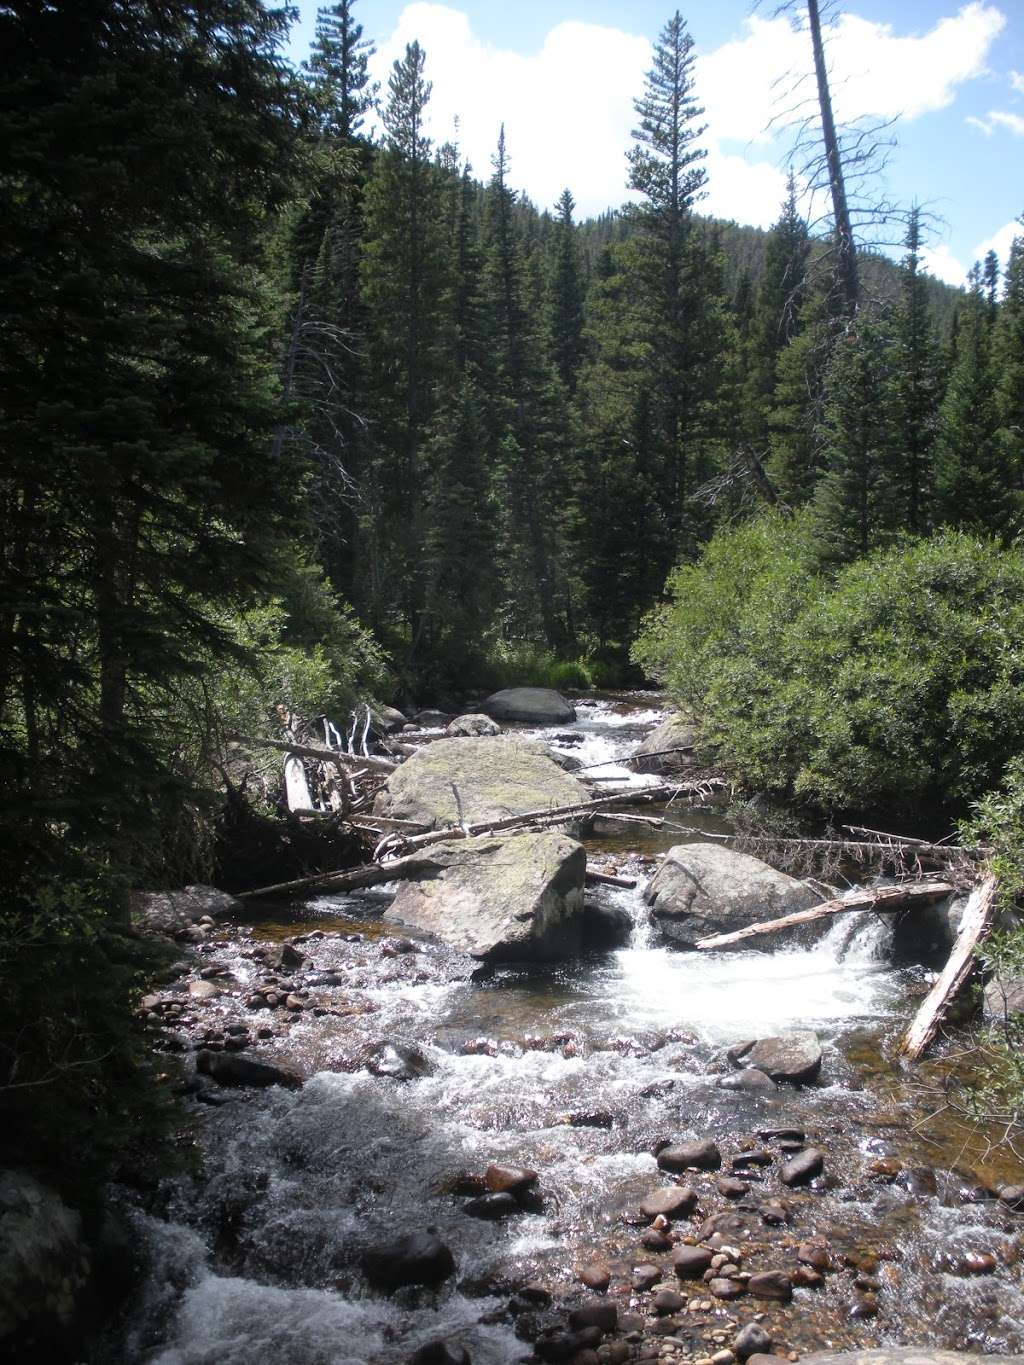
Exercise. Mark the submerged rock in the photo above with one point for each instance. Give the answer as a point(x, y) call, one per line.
point(420, 1258)
point(703, 889)
point(514, 899)
point(530, 706)
point(906, 1355)
point(674, 733)
point(495, 777)
point(228, 1068)
point(396, 1061)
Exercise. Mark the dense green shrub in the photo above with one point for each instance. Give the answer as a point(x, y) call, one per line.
point(898, 682)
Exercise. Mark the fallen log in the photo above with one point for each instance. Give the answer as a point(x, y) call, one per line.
point(320, 752)
point(606, 879)
point(978, 918)
point(880, 898)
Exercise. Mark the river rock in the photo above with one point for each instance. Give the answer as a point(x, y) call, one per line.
point(513, 899)
point(396, 1060)
point(492, 1207)
point(386, 720)
point(167, 912)
point(751, 1081)
point(420, 1258)
point(674, 732)
point(495, 778)
point(673, 1201)
point(794, 1056)
point(753, 1339)
point(803, 1167)
point(596, 1277)
point(703, 889)
point(530, 706)
point(44, 1270)
point(440, 1353)
point(600, 1313)
point(906, 1355)
point(515, 1180)
point(433, 720)
point(771, 1284)
point(228, 1068)
point(472, 726)
point(690, 1263)
point(703, 1154)
point(606, 926)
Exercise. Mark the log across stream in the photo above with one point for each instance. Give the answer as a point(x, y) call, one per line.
point(421, 1074)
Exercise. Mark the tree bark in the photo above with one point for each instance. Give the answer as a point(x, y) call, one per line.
point(849, 280)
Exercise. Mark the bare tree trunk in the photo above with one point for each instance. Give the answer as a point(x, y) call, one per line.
point(849, 281)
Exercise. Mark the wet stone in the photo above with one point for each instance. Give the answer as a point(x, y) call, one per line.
point(977, 1263)
point(646, 1276)
point(804, 1277)
point(753, 1339)
point(723, 1288)
point(690, 1263)
point(668, 1301)
point(653, 1240)
point(814, 1254)
point(492, 1207)
point(600, 1314)
point(596, 1277)
point(774, 1285)
point(421, 1258)
point(703, 1155)
point(512, 1180)
point(440, 1353)
point(672, 1201)
point(731, 1188)
point(865, 1306)
point(803, 1168)
point(758, 1157)
point(752, 1080)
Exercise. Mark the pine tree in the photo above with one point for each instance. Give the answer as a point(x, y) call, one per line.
point(565, 294)
point(915, 389)
point(677, 285)
point(1008, 366)
point(973, 490)
point(339, 66)
point(403, 285)
point(776, 321)
point(855, 507)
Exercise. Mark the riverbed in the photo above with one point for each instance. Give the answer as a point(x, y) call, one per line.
point(581, 1072)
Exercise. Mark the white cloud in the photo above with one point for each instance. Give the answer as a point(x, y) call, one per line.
point(986, 128)
point(1017, 81)
point(874, 71)
point(1000, 242)
point(940, 262)
point(1014, 122)
point(567, 110)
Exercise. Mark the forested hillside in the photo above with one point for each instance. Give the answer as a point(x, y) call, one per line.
point(299, 408)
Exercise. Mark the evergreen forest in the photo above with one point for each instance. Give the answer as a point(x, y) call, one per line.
point(299, 410)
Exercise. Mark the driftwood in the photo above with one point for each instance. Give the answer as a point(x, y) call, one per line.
point(881, 898)
point(296, 788)
point(606, 879)
point(979, 916)
point(321, 753)
point(376, 874)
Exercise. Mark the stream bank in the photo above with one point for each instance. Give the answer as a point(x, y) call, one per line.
point(422, 1074)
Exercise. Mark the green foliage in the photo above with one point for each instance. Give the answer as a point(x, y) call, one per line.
point(900, 682)
point(997, 822)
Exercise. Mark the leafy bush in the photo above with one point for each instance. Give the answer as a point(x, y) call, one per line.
point(900, 681)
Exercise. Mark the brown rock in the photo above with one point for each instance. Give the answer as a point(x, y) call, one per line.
point(672, 1201)
point(509, 1179)
point(730, 1188)
point(668, 1301)
point(814, 1254)
point(726, 1289)
point(600, 1314)
point(596, 1277)
point(803, 1167)
point(646, 1276)
point(703, 1155)
point(653, 1240)
point(690, 1263)
point(806, 1278)
point(771, 1284)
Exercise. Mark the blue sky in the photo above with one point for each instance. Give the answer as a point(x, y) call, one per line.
point(562, 74)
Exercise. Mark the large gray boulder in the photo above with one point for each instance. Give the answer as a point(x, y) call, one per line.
point(530, 705)
point(703, 889)
point(1004, 996)
point(495, 777)
point(472, 726)
point(512, 899)
point(165, 912)
point(674, 734)
point(44, 1267)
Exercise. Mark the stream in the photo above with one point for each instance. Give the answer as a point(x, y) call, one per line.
point(580, 1072)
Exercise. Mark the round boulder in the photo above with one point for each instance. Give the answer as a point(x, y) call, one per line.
point(668, 749)
point(473, 726)
point(529, 706)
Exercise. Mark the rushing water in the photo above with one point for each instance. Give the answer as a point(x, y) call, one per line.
point(576, 1071)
